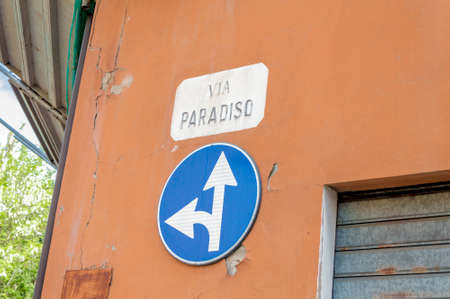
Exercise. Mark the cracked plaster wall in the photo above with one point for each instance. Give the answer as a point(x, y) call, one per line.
point(331, 108)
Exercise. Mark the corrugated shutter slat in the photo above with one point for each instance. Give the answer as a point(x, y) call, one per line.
point(393, 247)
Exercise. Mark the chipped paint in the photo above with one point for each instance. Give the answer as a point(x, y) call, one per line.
point(106, 80)
point(175, 148)
point(126, 83)
point(272, 172)
point(234, 259)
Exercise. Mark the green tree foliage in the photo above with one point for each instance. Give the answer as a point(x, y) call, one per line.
point(26, 186)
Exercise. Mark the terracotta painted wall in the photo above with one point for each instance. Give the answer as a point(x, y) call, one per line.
point(357, 90)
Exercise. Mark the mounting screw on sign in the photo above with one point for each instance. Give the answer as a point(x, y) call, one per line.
point(209, 203)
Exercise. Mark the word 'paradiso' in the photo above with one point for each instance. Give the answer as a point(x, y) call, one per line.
point(216, 114)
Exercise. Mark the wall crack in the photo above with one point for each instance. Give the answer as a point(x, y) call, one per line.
point(106, 88)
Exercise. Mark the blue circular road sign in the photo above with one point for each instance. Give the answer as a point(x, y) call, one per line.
point(209, 203)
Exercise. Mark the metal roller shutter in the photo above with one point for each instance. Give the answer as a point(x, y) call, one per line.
point(393, 244)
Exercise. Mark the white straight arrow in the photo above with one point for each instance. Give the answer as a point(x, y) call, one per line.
point(186, 217)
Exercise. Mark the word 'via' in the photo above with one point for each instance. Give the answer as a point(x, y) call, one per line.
point(219, 88)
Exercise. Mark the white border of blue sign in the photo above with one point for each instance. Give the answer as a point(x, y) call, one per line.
point(249, 226)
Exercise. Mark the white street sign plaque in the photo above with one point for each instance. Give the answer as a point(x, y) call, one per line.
point(221, 102)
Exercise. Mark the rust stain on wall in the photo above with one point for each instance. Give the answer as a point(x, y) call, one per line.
point(419, 270)
point(398, 295)
point(82, 284)
point(387, 271)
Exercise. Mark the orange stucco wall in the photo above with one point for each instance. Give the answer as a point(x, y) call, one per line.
point(357, 90)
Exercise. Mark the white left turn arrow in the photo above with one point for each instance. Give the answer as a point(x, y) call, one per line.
point(186, 217)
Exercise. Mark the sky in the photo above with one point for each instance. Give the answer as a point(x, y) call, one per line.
point(12, 113)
